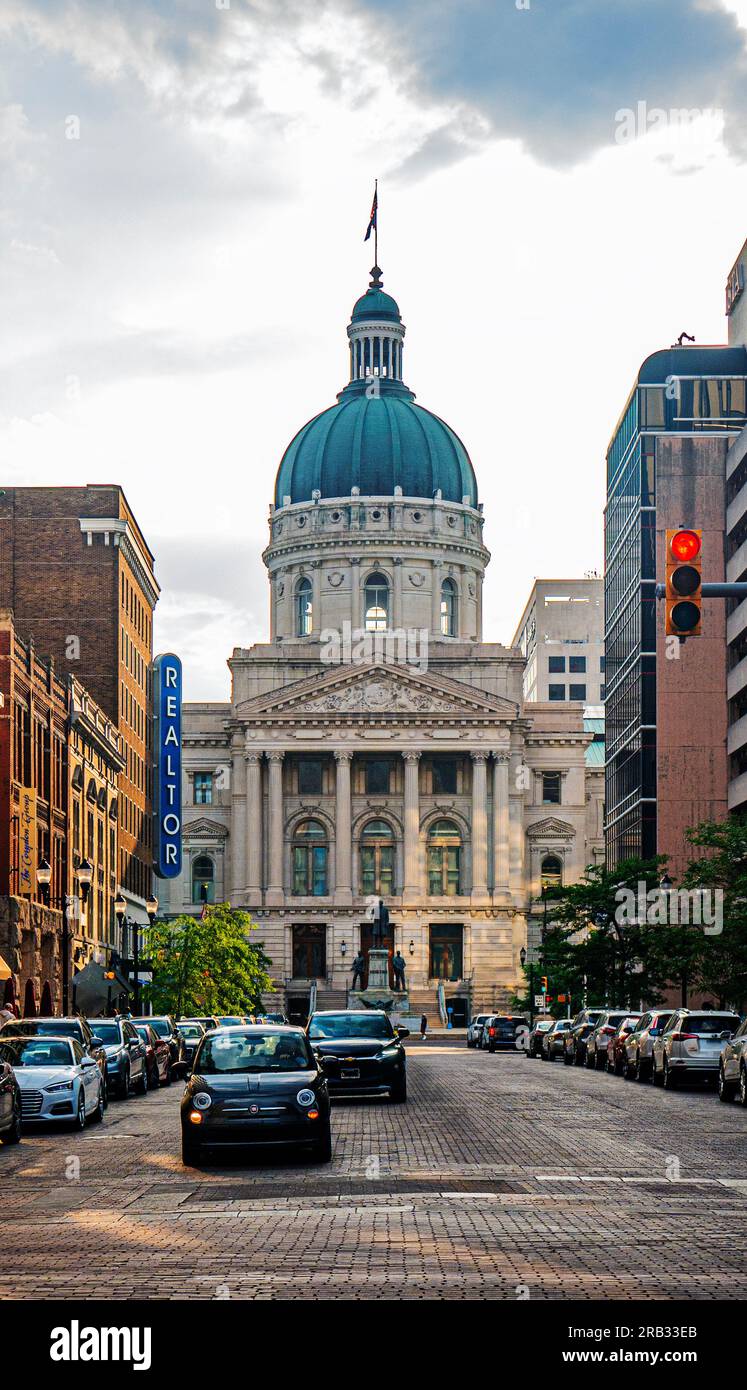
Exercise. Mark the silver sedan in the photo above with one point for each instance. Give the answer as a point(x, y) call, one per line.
point(58, 1081)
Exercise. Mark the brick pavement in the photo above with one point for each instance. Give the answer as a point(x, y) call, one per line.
point(501, 1178)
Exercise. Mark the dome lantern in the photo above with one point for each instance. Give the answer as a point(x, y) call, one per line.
point(376, 333)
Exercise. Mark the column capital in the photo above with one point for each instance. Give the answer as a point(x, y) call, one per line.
point(398, 560)
point(343, 755)
point(479, 755)
point(500, 755)
point(412, 755)
point(253, 755)
point(276, 756)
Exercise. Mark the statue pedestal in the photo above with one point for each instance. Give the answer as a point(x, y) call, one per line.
point(378, 993)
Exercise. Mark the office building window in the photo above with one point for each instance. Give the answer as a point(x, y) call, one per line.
point(556, 665)
point(377, 776)
point(551, 788)
point(203, 789)
point(310, 777)
point(556, 692)
point(577, 665)
point(577, 692)
point(444, 775)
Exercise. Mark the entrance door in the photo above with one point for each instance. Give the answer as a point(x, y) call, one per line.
point(309, 952)
point(367, 941)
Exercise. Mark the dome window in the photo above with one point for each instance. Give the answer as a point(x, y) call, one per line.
point(377, 603)
point(448, 608)
point(304, 608)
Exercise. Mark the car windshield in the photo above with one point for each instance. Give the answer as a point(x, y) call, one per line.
point(228, 1019)
point(274, 1018)
point(46, 1027)
point(191, 1030)
point(722, 1023)
point(142, 1031)
point(562, 1024)
point(358, 1025)
point(108, 1032)
point(241, 1052)
point(161, 1026)
point(37, 1052)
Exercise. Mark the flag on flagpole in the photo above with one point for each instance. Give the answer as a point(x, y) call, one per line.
point(372, 219)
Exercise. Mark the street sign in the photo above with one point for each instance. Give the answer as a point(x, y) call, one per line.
point(167, 765)
point(539, 1001)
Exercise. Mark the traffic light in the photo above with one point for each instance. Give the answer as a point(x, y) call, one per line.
point(683, 583)
point(543, 982)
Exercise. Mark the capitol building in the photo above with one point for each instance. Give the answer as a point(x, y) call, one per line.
point(375, 744)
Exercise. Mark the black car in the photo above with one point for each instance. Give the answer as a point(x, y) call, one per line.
point(256, 1084)
point(360, 1052)
point(71, 1027)
point(125, 1056)
point(574, 1042)
point(167, 1028)
point(502, 1030)
point(192, 1035)
point(10, 1105)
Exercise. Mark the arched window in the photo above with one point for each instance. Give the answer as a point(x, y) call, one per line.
point(304, 608)
point(551, 871)
point(377, 858)
point(203, 880)
point(377, 603)
point(444, 856)
point(310, 859)
point(448, 608)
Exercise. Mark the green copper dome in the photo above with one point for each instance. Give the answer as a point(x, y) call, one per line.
point(378, 439)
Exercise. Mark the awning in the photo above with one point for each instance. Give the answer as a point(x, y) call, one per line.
point(5, 970)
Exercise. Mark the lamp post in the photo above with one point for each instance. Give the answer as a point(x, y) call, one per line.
point(131, 923)
point(523, 959)
point(84, 875)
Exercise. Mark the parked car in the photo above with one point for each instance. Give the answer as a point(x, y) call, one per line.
point(192, 1033)
point(208, 1021)
point(10, 1104)
point(256, 1085)
point(170, 1031)
point(615, 1059)
point(574, 1042)
point(597, 1040)
point(125, 1055)
point(58, 1081)
point(73, 1026)
point(732, 1071)
point(690, 1046)
point(502, 1030)
point(275, 1018)
point(536, 1034)
point(474, 1029)
point(157, 1057)
point(360, 1052)
point(553, 1040)
point(639, 1045)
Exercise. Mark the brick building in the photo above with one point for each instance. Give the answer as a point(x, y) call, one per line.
point(78, 575)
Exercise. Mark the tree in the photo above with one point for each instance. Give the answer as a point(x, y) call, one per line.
point(207, 964)
point(722, 956)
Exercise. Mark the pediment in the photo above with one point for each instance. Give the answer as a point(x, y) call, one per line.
point(204, 829)
point(378, 690)
point(550, 826)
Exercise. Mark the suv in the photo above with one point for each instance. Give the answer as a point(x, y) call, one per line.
point(597, 1040)
point(639, 1045)
point(691, 1045)
point(502, 1030)
point(475, 1028)
point(72, 1027)
point(574, 1042)
point(732, 1071)
point(552, 1041)
point(536, 1036)
point(125, 1056)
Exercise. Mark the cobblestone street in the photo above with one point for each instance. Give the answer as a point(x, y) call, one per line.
point(502, 1178)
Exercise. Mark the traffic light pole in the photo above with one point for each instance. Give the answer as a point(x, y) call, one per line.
point(736, 590)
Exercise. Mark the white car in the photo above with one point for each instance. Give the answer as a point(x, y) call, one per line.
point(474, 1031)
point(58, 1081)
point(691, 1045)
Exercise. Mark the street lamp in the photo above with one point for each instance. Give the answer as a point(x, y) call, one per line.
point(412, 948)
point(343, 949)
point(84, 874)
point(120, 911)
point(523, 959)
point(44, 880)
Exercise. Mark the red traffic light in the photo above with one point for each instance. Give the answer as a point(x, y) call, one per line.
point(685, 545)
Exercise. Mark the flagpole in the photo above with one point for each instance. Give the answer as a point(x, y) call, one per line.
point(376, 223)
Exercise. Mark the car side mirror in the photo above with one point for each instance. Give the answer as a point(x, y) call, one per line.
point(89, 1062)
point(402, 1032)
point(96, 1042)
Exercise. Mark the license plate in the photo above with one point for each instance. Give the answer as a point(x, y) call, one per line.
point(350, 1073)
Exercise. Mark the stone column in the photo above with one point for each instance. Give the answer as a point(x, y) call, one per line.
point(500, 822)
point(343, 828)
point(238, 826)
point(397, 596)
point(275, 878)
point(316, 597)
point(516, 823)
point(437, 575)
point(413, 875)
point(356, 602)
point(479, 825)
point(253, 853)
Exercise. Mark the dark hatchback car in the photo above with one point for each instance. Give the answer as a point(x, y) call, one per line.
point(168, 1029)
point(10, 1105)
point(256, 1084)
point(72, 1027)
point(574, 1043)
point(125, 1055)
point(362, 1055)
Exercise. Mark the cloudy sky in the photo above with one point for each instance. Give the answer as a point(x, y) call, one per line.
point(184, 188)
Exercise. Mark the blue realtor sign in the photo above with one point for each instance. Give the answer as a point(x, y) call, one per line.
point(167, 756)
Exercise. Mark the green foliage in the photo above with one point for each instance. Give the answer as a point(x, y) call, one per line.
point(720, 967)
point(207, 965)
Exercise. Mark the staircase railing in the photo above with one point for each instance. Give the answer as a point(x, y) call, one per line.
point(312, 997)
point(441, 1003)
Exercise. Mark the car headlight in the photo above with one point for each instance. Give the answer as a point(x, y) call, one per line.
point(202, 1101)
point(305, 1097)
point(60, 1086)
point(388, 1053)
